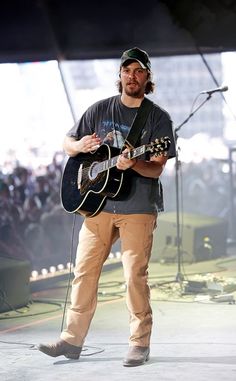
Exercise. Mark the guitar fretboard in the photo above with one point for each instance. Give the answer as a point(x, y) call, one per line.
point(111, 163)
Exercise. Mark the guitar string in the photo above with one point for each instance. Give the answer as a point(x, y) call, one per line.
point(160, 148)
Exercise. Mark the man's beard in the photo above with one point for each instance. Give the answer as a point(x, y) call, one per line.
point(134, 92)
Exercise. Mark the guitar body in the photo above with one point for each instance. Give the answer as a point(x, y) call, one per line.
point(83, 190)
point(89, 178)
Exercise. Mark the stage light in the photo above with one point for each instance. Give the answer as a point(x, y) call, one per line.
point(44, 272)
point(34, 274)
point(52, 269)
point(60, 267)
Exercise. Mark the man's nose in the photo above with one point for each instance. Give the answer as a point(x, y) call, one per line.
point(131, 74)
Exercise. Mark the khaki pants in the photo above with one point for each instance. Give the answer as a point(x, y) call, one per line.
point(95, 240)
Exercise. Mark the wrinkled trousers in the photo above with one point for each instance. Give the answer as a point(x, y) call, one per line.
point(96, 237)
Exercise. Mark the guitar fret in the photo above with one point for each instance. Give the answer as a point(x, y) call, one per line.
point(138, 151)
point(113, 162)
point(142, 149)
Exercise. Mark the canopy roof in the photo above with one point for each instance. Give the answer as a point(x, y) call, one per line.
point(35, 30)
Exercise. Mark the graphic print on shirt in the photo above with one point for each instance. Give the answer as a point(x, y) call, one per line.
point(113, 134)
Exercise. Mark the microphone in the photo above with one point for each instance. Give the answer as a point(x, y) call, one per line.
point(218, 89)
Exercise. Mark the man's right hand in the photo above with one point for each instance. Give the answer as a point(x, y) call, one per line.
point(87, 143)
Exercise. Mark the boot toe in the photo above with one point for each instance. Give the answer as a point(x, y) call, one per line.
point(136, 356)
point(61, 348)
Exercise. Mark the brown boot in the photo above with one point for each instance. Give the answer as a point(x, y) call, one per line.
point(61, 348)
point(136, 356)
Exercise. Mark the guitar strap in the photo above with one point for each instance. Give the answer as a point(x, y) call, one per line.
point(138, 123)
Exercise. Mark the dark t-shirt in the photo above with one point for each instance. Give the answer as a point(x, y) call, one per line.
point(111, 121)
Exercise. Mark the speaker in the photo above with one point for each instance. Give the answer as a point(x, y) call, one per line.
point(14, 283)
point(201, 238)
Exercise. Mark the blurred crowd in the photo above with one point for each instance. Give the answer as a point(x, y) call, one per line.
point(33, 224)
point(204, 188)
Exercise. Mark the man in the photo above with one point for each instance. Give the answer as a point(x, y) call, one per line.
point(132, 218)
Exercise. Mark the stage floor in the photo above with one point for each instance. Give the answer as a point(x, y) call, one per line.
point(194, 335)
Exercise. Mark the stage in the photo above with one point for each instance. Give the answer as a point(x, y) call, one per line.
point(194, 333)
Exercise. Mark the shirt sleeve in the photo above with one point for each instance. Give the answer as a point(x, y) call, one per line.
point(85, 126)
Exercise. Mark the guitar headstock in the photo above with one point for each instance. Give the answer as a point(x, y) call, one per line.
point(160, 147)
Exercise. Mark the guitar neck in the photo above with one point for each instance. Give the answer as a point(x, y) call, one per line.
point(111, 163)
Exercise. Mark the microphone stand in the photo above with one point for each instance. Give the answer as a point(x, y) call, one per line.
point(179, 276)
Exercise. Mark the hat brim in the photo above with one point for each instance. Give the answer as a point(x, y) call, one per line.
point(132, 60)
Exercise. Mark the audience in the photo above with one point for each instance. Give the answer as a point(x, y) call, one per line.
point(35, 227)
point(33, 223)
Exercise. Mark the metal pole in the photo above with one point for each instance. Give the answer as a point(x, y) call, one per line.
point(232, 233)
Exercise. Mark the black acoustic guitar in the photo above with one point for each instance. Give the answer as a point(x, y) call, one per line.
point(89, 178)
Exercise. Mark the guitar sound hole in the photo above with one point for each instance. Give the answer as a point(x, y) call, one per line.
point(93, 171)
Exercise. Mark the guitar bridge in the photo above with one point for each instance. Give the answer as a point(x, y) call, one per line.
point(79, 178)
